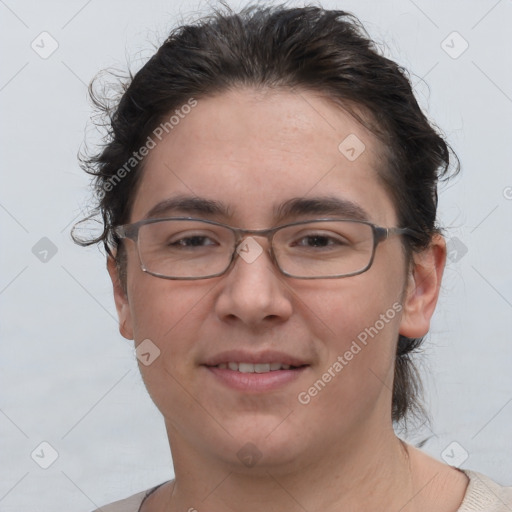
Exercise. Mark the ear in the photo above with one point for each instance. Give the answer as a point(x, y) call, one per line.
point(121, 300)
point(424, 284)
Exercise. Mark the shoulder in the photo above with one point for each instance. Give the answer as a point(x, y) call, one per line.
point(130, 504)
point(484, 494)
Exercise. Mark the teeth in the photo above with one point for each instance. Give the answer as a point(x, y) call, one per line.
point(245, 367)
point(253, 368)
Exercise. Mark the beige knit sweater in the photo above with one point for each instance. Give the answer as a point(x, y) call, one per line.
point(482, 495)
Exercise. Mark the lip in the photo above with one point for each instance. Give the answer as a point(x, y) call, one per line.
point(255, 382)
point(265, 356)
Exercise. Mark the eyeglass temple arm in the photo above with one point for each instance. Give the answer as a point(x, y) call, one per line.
point(384, 233)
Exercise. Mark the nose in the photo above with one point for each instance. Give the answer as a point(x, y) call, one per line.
point(254, 291)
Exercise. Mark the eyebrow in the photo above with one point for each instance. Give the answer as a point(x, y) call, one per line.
point(294, 207)
point(189, 205)
point(321, 205)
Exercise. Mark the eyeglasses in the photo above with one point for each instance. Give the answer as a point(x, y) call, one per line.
point(189, 248)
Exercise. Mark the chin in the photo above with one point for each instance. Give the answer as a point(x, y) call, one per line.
point(264, 442)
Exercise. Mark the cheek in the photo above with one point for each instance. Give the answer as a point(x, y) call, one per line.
point(170, 316)
point(351, 307)
point(161, 307)
point(362, 321)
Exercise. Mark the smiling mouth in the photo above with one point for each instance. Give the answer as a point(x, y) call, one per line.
point(256, 367)
point(255, 377)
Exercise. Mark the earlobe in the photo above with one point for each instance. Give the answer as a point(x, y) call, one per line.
point(423, 289)
point(121, 300)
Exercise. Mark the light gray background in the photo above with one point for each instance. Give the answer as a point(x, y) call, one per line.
point(69, 378)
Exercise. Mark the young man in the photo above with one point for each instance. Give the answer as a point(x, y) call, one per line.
point(269, 198)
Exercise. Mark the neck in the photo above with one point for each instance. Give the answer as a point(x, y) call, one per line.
point(370, 471)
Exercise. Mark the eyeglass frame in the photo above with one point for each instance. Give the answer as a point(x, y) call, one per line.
point(380, 234)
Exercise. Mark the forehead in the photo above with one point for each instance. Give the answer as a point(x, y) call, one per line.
point(254, 153)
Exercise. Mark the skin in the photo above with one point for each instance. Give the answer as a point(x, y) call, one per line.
point(254, 149)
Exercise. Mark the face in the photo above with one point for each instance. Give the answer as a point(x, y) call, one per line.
point(254, 151)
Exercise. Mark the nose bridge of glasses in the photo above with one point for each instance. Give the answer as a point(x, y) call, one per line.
point(242, 234)
point(251, 243)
